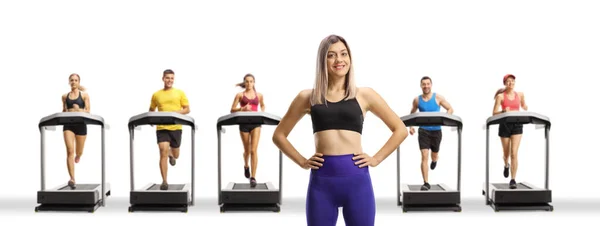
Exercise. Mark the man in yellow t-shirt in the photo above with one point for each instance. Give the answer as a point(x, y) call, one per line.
point(169, 136)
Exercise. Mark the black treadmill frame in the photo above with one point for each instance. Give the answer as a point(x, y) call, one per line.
point(49, 123)
point(521, 117)
point(453, 197)
point(238, 118)
point(160, 118)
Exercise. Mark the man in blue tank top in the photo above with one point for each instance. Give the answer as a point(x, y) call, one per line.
point(430, 137)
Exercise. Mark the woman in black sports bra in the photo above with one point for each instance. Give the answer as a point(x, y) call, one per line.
point(339, 174)
point(75, 101)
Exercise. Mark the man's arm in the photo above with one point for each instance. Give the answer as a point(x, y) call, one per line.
point(152, 103)
point(185, 104)
point(415, 107)
point(445, 104)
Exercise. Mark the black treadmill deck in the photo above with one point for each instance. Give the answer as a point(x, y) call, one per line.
point(172, 187)
point(434, 187)
point(523, 197)
point(175, 198)
point(89, 207)
point(246, 186)
point(435, 199)
point(243, 197)
point(505, 186)
point(80, 187)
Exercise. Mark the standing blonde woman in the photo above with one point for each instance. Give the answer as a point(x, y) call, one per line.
point(339, 169)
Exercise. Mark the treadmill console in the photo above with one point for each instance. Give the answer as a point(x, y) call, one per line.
point(70, 118)
point(161, 118)
point(519, 117)
point(238, 118)
point(432, 119)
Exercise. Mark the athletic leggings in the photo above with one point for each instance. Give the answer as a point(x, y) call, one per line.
point(340, 183)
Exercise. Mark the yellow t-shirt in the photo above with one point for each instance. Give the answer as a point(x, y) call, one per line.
point(169, 100)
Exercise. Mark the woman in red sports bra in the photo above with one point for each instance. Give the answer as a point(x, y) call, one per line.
point(507, 99)
point(249, 100)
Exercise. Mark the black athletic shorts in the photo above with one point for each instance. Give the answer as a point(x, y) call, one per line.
point(430, 139)
point(78, 130)
point(508, 129)
point(171, 136)
point(248, 127)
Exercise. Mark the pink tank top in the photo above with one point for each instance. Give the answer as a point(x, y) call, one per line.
point(513, 104)
point(253, 102)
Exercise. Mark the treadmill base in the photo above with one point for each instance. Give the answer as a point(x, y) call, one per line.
point(70, 207)
point(438, 207)
point(159, 207)
point(520, 206)
point(226, 207)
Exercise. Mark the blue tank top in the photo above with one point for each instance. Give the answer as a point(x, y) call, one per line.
point(429, 106)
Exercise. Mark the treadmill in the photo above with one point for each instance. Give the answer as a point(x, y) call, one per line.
point(440, 197)
point(150, 198)
point(240, 196)
point(526, 196)
point(85, 197)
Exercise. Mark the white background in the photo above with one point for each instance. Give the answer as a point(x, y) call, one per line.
point(121, 48)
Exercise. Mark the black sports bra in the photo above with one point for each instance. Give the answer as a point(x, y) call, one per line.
point(342, 115)
point(79, 101)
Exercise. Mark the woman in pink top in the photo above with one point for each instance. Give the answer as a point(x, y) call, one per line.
point(507, 99)
point(249, 100)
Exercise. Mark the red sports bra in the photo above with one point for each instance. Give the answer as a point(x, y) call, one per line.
point(253, 102)
point(514, 104)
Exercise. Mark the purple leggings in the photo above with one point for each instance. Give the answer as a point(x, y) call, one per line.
point(340, 183)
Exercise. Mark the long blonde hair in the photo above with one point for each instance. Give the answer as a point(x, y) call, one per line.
point(322, 76)
point(80, 87)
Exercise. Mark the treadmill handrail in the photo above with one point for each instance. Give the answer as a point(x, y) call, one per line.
point(248, 117)
point(159, 118)
point(521, 117)
point(432, 119)
point(69, 118)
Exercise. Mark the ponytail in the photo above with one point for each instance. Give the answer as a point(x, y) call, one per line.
point(501, 90)
point(241, 84)
point(81, 88)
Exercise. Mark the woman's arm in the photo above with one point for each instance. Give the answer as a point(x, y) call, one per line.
point(262, 102)
point(86, 98)
point(236, 101)
point(523, 104)
point(296, 111)
point(497, 105)
point(64, 103)
point(377, 105)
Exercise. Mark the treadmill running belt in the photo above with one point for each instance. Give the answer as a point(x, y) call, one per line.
point(171, 187)
point(247, 186)
point(434, 187)
point(505, 186)
point(79, 187)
